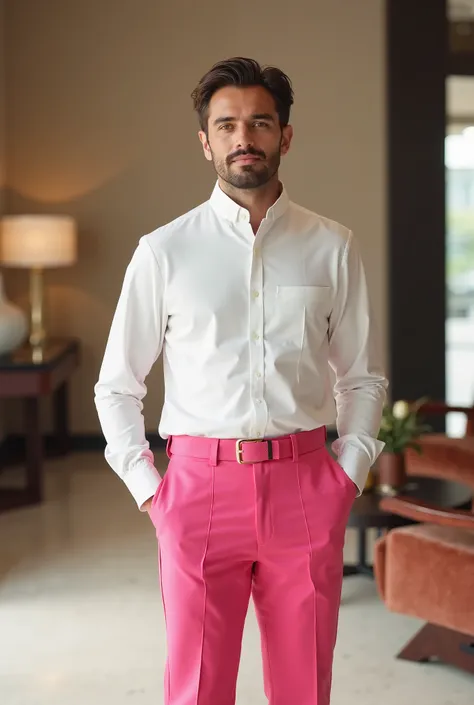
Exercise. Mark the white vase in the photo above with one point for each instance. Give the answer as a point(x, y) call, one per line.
point(13, 323)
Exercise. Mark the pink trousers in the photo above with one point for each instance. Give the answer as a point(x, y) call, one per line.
point(273, 530)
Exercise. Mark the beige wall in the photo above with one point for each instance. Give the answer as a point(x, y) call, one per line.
point(2, 105)
point(100, 125)
point(2, 150)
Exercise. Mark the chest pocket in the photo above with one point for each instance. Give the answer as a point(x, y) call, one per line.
point(300, 312)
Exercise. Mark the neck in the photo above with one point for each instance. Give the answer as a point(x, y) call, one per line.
point(257, 201)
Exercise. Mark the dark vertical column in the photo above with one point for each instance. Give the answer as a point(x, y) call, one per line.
point(416, 112)
point(61, 418)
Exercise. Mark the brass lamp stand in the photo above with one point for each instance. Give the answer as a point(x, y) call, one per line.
point(37, 242)
point(37, 337)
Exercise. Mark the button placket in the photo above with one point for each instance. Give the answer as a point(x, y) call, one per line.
point(256, 332)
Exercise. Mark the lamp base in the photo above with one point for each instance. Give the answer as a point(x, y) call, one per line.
point(38, 352)
point(37, 337)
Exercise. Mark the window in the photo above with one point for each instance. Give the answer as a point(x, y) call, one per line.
point(459, 161)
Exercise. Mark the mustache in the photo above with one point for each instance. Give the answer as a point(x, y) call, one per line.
point(244, 153)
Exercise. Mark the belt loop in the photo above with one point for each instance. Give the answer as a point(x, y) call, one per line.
point(168, 446)
point(325, 434)
point(214, 452)
point(294, 446)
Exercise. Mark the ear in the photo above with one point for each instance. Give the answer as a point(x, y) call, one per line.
point(286, 138)
point(205, 145)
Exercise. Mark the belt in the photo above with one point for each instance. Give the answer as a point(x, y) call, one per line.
point(247, 450)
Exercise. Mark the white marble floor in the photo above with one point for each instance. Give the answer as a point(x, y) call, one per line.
point(81, 619)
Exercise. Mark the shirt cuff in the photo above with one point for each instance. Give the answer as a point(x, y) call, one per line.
point(356, 464)
point(142, 480)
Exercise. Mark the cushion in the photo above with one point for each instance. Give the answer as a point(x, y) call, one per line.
point(429, 574)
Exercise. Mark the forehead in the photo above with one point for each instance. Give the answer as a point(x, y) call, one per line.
point(241, 102)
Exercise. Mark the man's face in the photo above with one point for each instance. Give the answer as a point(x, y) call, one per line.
point(245, 141)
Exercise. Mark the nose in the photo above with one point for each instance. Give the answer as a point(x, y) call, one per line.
point(244, 137)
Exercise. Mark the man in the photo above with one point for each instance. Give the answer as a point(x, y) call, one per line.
point(250, 298)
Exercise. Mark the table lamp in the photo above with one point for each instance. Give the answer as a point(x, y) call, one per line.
point(38, 242)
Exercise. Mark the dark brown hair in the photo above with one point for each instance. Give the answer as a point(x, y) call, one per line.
point(243, 72)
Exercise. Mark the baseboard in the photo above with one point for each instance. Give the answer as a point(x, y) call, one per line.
point(13, 446)
point(95, 441)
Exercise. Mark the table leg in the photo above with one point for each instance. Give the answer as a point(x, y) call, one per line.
point(361, 567)
point(61, 419)
point(362, 546)
point(34, 449)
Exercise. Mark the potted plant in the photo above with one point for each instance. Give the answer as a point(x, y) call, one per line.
point(400, 429)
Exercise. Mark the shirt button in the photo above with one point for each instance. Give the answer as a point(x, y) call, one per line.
point(255, 336)
point(257, 251)
point(259, 435)
point(258, 375)
point(255, 294)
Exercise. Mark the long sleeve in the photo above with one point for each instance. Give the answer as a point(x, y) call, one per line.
point(360, 388)
point(134, 343)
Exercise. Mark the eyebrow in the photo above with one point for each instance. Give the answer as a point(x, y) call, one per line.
point(256, 116)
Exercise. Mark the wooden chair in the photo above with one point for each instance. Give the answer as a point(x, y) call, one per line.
point(439, 407)
point(427, 571)
point(442, 456)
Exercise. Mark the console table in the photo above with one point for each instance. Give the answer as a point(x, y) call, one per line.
point(28, 375)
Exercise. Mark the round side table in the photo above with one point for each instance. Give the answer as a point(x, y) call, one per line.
point(366, 513)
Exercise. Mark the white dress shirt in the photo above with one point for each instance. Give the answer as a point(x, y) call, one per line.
point(247, 325)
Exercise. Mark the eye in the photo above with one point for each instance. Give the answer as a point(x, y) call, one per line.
point(225, 127)
point(259, 123)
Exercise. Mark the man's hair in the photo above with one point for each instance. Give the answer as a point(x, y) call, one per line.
point(243, 72)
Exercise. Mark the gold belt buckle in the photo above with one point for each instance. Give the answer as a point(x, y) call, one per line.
point(239, 452)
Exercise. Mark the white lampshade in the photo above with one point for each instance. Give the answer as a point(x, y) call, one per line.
point(38, 241)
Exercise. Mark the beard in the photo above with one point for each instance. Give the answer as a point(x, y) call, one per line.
point(247, 176)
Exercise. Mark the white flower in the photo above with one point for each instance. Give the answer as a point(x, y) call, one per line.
point(401, 409)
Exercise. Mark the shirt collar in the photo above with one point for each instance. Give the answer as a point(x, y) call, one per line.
point(230, 210)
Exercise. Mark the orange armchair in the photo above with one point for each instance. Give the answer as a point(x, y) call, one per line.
point(426, 570)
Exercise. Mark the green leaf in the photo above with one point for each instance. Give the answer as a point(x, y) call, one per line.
point(416, 447)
